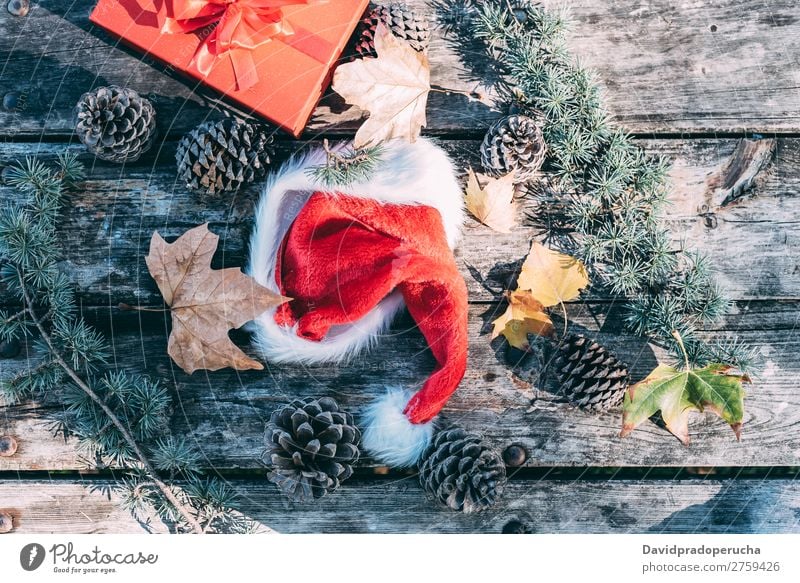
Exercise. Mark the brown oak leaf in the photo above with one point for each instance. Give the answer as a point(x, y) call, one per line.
point(393, 87)
point(205, 303)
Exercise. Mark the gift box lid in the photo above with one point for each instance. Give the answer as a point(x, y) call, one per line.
point(293, 70)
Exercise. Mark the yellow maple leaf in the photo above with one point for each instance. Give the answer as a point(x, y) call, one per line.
point(492, 204)
point(552, 277)
point(393, 87)
point(524, 315)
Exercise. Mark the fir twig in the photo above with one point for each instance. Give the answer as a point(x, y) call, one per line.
point(79, 382)
point(114, 415)
point(605, 198)
point(345, 166)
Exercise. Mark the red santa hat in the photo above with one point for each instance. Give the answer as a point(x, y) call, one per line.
point(351, 260)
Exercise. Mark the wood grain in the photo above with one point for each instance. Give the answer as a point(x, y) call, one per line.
point(502, 396)
point(686, 66)
point(109, 221)
point(108, 224)
point(54, 55)
point(726, 66)
point(698, 506)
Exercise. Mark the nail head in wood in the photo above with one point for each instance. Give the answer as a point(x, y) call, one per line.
point(515, 455)
point(8, 446)
point(19, 7)
point(6, 522)
point(11, 100)
point(10, 348)
point(515, 527)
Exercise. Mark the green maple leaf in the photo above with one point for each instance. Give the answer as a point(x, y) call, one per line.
point(676, 393)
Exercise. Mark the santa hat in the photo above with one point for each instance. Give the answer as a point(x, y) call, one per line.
point(352, 259)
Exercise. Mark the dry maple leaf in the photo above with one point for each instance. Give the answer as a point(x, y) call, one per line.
point(552, 277)
point(206, 303)
point(524, 315)
point(393, 87)
point(492, 204)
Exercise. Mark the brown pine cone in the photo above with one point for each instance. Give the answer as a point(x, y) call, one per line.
point(115, 124)
point(311, 448)
point(222, 156)
point(590, 376)
point(401, 21)
point(460, 470)
point(513, 144)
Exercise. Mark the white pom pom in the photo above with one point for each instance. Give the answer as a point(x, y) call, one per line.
point(389, 436)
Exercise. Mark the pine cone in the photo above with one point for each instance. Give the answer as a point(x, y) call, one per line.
point(513, 144)
point(115, 124)
point(311, 446)
point(402, 22)
point(224, 155)
point(590, 376)
point(460, 470)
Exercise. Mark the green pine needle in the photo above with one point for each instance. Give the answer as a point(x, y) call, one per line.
point(345, 166)
point(112, 414)
point(614, 195)
point(174, 454)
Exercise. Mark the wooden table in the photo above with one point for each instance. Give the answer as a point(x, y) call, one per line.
point(692, 80)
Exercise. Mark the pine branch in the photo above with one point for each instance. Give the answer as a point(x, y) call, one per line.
point(79, 382)
point(605, 199)
point(114, 415)
point(345, 166)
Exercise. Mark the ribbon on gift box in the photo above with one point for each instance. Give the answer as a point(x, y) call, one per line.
point(239, 27)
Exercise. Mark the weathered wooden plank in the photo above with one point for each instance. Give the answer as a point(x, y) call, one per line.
point(54, 55)
point(694, 66)
point(727, 66)
point(224, 413)
point(109, 222)
point(399, 506)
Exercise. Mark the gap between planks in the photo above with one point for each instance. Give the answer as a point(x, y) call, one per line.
point(662, 68)
point(399, 505)
point(112, 217)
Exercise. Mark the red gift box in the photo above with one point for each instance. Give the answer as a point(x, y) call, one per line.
point(272, 57)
